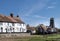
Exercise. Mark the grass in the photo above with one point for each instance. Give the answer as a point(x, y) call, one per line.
point(51, 37)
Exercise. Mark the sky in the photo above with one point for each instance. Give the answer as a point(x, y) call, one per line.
point(33, 12)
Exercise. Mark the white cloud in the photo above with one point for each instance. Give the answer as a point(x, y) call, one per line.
point(51, 6)
point(38, 6)
point(35, 7)
point(38, 16)
point(46, 23)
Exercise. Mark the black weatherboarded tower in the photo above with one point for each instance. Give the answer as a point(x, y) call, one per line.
point(52, 22)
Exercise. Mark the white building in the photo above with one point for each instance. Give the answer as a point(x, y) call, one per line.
point(11, 24)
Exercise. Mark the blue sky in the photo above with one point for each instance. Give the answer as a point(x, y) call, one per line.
point(33, 12)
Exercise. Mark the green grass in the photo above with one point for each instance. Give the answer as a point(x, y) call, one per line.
point(51, 37)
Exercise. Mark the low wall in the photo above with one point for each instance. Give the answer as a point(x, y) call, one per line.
point(14, 34)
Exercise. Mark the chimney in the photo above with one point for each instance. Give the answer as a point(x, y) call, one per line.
point(17, 16)
point(11, 14)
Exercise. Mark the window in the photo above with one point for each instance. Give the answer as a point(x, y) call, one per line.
point(6, 29)
point(18, 24)
point(17, 28)
point(1, 23)
point(12, 24)
point(8, 23)
point(20, 29)
point(23, 24)
point(1, 29)
point(13, 29)
point(23, 30)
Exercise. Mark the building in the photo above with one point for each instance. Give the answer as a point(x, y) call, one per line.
point(42, 29)
point(31, 29)
point(11, 24)
point(52, 25)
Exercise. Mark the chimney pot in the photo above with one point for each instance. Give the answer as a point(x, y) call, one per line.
point(11, 14)
point(17, 15)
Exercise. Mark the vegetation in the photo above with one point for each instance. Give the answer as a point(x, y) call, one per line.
point(50, 37)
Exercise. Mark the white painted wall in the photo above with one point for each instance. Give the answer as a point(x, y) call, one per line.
point(17, 27)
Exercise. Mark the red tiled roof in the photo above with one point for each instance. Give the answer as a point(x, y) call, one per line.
point(31, 28)
point(44, 27)
point(10, 19)
point(18, 19)
point(4, 18)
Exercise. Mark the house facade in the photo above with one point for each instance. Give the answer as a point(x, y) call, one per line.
point(11, 24)
point(31, 29)
point(42, 29)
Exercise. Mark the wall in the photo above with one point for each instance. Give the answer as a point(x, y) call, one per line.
point(14, 34)
point(17, 27)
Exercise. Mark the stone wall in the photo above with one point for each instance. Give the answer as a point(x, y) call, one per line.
point(14, 34)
